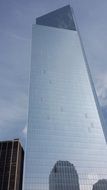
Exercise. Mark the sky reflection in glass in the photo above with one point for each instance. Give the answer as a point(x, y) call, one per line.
point(63, 121)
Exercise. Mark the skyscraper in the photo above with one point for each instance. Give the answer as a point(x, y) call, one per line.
point(100, 185)
point(64, 120)
point(11, 165)
point(63, 176)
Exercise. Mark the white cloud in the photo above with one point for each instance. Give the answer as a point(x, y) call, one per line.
point(14, 109)
point(101, 87)
point(24, 131)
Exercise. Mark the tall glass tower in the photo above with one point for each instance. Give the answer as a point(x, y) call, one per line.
point(64, 120)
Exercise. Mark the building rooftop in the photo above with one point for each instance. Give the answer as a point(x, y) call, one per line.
point(60, 18)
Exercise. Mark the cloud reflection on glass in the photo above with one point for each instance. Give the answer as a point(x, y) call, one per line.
point(63, 122)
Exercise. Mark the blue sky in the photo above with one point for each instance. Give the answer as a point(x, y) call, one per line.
point(16, 19)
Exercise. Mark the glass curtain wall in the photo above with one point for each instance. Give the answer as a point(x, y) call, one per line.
point(66, 147)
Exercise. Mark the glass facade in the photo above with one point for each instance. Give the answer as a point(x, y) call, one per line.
point(66, 147)
point(63, 176)
point(11, 165)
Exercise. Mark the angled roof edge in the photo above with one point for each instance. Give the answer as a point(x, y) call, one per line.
point(59, 18)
